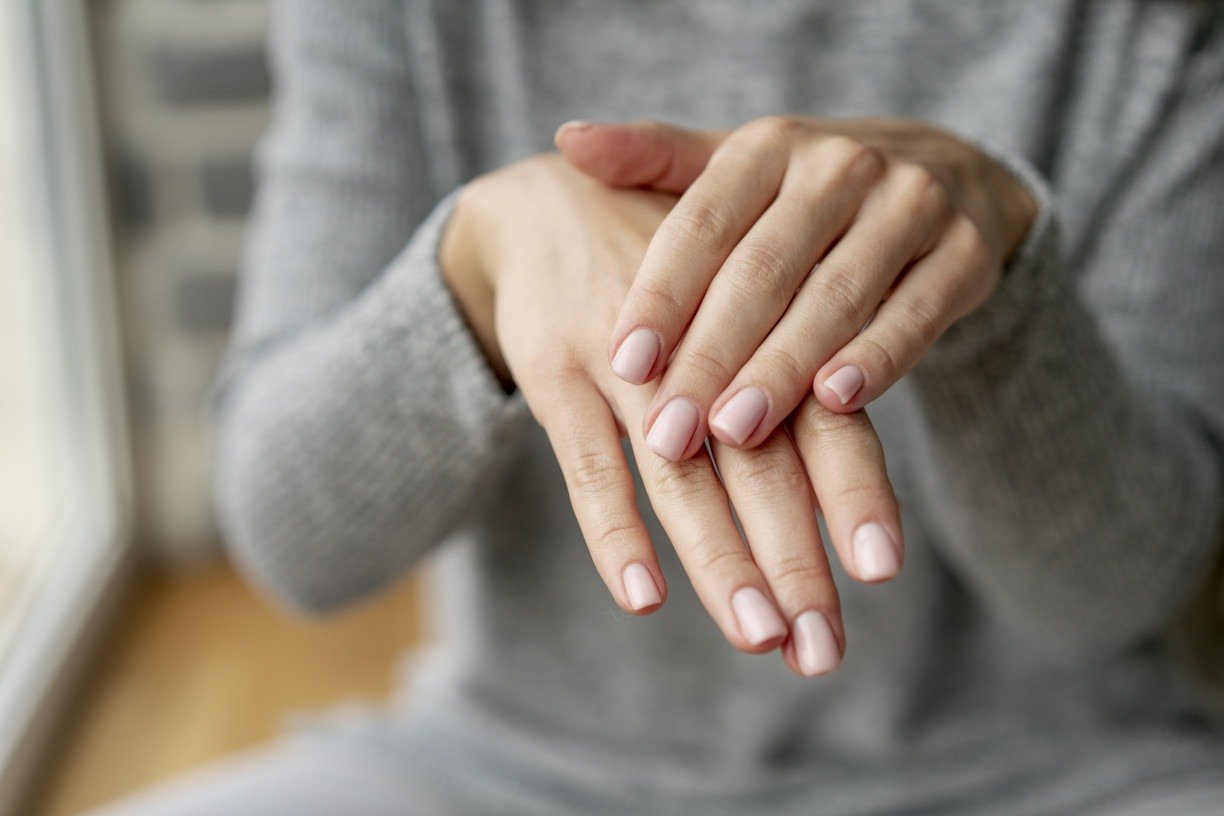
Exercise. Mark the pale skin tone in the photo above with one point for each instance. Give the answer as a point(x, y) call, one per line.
point(791, 234)
point(544, 285)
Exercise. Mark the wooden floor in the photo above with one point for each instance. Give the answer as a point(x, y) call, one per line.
point(201, 667)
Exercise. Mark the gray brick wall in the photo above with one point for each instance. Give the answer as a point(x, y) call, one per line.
point(184, 87)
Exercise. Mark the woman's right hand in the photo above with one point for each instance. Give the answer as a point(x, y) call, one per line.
point(540, 258)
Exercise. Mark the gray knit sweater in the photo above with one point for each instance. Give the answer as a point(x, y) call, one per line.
point(1058, 455)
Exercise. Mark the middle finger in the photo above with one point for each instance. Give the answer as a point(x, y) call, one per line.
point(773, 499)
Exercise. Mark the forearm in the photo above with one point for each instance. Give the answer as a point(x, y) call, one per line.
point(352, 446)
point(1080, 495)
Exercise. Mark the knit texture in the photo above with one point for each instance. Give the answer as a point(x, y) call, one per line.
point(1059, 455)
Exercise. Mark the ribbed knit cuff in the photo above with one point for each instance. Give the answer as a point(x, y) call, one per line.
point(417, 281)
point(1030, 280)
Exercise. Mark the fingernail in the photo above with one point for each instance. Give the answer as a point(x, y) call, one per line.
point(742, 414)
point(815, 644)
point(574, 125)
point(636, 356)
point(671, 432)
point(845, 382)
point(758, 620)
point(875, 555)
point(640, 587)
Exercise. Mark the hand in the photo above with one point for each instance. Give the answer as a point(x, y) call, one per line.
point(540, 258)
point(792, 234)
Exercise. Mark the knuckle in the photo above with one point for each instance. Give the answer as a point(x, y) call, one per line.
point(975, 249)
point(676, 481)
point(920, 193)
point(915, 178)
point(887, 361)
point(924, 320)
point(722, 560)
point(594, 473)
point(799, 570)
point(762, 268)
point(613, 538)
point(859, 491)
point(702, 222)
point(782, 366)
point(839, 293)
point(870, 162)
point(853, 157)
point(657, 299)
point(707, 364)
point(771, 130)
point(935, 203)
point(770, 471)
point(815, 420)
point(653, 126)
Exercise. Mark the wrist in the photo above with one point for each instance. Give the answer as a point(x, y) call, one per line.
point(461, 258)
point(1018, 211)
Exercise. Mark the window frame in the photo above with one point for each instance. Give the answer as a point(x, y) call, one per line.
point(68, 202)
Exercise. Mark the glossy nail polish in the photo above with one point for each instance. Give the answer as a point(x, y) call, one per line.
point(845, 382)
point(640, 587)
point(572, 126)
point(673, 429)
point(816, 646)
point(741, 415)
point(636, 356)
point(875, 554)
point(758, 621)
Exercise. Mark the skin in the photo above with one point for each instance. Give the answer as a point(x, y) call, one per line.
point(540, 257)
point(790, 236)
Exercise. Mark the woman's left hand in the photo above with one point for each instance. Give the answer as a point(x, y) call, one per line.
point(790, 236)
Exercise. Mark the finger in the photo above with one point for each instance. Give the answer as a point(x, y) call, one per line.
point(845, 463)
point(690, 246)
point(638, 154)
point(937, 291)
point(582, 431)
point(819, 196)
point(773, 500)
point(691, 504)
point(898, 222)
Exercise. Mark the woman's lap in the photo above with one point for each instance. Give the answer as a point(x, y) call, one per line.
point(289, 778)
point(318, 777)
point(1199, 797)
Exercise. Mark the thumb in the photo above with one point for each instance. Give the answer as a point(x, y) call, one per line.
point(638, 154)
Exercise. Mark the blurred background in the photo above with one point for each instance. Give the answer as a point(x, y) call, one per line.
point(129, 651)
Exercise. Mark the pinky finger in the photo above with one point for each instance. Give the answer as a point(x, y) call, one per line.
point(938, 290)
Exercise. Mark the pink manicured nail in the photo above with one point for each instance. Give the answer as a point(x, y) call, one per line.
point(758, 620)
point(875, 555)
point(742, 414)
point(640, 587)
point(636, 356)
point(816, 646)
point(845, 382)
point(574, 125)
point(669, 436)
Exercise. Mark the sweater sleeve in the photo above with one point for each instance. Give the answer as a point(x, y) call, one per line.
point(1072, 433)
point(357, 418)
